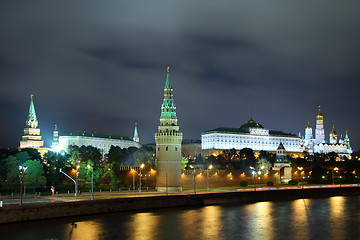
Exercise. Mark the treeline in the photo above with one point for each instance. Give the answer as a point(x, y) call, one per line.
point(43, 172)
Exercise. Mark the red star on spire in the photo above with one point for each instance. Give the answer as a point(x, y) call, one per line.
point(31, 95)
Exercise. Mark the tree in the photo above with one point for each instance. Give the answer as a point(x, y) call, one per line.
point(263, 164)
point(114, 174)
point(144, 155)
point(184, 162)
point(34, 176)
point(55, 161)
point(85, 172)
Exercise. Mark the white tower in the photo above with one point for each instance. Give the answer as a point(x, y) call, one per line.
point(308, 132)
point(319, 130)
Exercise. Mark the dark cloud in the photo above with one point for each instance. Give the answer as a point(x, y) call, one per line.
point(101, 65)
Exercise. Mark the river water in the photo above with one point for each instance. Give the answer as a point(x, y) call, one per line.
point(326, 218)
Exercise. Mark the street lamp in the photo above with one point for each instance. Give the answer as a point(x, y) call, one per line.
point(133, 173)
point(21, 177)
point(207, 176)
point(332, 171)
point(300, 169)
point(253, 173)
point(141, 167)
point(92, 181)
point(75, 182)
point(191, 166)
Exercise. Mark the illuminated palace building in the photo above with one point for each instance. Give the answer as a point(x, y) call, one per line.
point(98, 140)
point(250, 135)
point(318, 144)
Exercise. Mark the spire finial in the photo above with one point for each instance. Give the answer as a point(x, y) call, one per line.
point(31, 95)
point(168, 69)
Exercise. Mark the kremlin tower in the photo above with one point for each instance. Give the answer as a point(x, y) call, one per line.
point(168, 144)
point(32, 138)
point(136, 136)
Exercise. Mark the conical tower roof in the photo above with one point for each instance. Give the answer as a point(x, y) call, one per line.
point(32, 121)
point(135, 131)
point(281, 146)
point(168, 109)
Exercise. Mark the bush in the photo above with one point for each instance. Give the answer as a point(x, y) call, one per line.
point(293, 182)
point(270, 183)
point(243, 183)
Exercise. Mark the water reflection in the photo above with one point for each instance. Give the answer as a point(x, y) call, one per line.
point(211, 226)
point(300, 218)
point(143, 226)
point(260, 220)
point(327, 218)
point(90, 230)
point(337, 217)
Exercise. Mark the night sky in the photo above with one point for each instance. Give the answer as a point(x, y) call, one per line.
point(101, 65)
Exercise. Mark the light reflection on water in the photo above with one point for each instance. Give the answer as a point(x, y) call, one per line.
point(328, 218)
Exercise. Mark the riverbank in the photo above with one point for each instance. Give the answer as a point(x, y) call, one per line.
point(9, 214)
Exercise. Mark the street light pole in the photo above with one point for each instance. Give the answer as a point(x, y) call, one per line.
point(207, 177)
point(21, 177)
point(253, 172)
point(141, 167)
point(133, 172)
point(194, 178)
point(75, 182)
point(92, 181)
point(299, 168)
point(336, 169)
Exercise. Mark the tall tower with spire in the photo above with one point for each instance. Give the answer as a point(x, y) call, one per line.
point(319, 130)
point(32, 138)
point(168, 144)
point(136, 136)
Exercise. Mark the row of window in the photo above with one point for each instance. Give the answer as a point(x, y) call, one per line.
point(167, 148)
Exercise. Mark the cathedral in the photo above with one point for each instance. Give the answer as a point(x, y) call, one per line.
point(318, 143)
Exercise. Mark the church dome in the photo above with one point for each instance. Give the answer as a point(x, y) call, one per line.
point(250, 124)
point(333, 133)
point(308, 126)
point(319, 115)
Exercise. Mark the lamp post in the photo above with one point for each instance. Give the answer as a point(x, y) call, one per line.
point(332, 173)
point(335, 169)
point(133, 172)
point(21, 177)
point(75, 181)
point(191, 166)
point(253, 173)
point(141, 167)
point(300, 169)
point(207, 176)
point(92, 181)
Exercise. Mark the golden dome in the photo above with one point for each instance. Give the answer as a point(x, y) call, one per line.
point(333, 133)
point(308, 126)
point(319, 115)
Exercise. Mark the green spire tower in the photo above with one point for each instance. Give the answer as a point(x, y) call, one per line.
point(136, 136)
point(32, 138)
point(168, 144)
point(32, 121)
